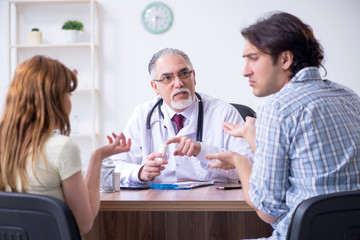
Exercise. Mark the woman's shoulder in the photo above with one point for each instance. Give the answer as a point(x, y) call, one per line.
point(58, 141)
point(61, 150)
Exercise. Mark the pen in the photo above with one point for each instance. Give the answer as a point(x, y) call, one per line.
point(229, 188)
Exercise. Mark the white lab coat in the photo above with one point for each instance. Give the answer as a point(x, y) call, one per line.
point(181, 168)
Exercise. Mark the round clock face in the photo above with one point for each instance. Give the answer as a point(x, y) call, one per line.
point(157, 18)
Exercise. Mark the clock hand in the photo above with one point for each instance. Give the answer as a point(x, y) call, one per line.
point(156, 21)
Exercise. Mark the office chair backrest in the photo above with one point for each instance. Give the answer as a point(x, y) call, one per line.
point(333, 216)
point(244, 110)
point(35, 217)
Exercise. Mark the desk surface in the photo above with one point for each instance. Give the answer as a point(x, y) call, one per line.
point(199, 199)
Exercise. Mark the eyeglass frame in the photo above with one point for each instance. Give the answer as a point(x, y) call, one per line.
point(175, 75)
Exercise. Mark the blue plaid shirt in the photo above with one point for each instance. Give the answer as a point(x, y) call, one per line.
point(308, 144)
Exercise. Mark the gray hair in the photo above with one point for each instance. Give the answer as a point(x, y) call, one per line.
point(165, 52)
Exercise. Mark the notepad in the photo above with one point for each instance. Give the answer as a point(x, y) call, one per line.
point(180, 185)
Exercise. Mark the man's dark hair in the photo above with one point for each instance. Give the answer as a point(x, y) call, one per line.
point(284, 32)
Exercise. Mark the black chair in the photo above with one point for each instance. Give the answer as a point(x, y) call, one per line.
point(333, 216)
point(35, 217)
point(244, 110)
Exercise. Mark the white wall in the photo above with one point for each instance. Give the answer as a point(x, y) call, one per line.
point(209, 32)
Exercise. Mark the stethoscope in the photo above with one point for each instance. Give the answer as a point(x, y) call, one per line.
point(200, 116)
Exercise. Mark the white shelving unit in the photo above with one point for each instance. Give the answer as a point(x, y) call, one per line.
point(49, 16)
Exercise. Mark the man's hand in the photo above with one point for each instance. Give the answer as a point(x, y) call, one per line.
point(246, 131)
point(186, 146)
point(152, 167)
point(224, 160)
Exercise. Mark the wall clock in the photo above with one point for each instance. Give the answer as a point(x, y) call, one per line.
point(157, 17)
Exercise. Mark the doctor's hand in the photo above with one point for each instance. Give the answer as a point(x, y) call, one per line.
point(186, 146)
point(152, 167)
point(246, 131)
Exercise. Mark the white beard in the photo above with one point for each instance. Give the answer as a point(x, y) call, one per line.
point(182, 104)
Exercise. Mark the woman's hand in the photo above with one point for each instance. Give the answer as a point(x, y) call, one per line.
point(117, 144)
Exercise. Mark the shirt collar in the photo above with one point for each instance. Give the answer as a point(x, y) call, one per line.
point(307, 74)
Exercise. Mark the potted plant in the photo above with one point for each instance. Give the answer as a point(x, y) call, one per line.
point(35, 36)
point(72, 29)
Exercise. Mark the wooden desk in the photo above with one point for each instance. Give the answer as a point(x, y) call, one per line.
point(200, 214)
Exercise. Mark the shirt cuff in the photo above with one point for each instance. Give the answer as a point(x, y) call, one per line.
point(204, 149)
point(134, 176)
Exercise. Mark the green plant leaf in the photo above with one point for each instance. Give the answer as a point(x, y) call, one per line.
point(74, 25)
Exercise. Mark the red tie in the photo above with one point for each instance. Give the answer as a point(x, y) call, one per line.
point(179, 120)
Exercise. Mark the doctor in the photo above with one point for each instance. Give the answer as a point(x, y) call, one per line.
point(200, 132)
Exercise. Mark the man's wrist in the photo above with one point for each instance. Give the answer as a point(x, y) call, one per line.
point(197, 146)
point(239, 159)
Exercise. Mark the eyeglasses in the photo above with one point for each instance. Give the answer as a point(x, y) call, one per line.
point(169, 78)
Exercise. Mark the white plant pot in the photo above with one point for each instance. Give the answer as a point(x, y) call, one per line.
point(71, 36)
point(35, 37)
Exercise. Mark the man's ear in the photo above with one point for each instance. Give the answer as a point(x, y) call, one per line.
point(155, 87)
point(287, 58)
point(194, 77)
